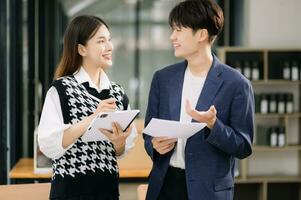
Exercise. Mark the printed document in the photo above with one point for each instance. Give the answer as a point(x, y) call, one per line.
point(104, 120)
point(172, 129)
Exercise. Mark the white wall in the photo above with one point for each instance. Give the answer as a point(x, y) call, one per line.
point(273, 23)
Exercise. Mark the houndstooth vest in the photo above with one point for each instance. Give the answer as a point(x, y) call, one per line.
point(87, 167)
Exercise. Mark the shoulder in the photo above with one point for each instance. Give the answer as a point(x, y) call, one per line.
point(65, 82)
point(117, 87)
point(171, 69)
point(236, 81)
point(165, 73)
point(231, 75)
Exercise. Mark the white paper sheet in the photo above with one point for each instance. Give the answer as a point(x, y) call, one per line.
point(104, 120)
point(172, 129)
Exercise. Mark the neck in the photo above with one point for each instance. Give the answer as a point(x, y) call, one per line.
point(93, 72)
point(200, 63)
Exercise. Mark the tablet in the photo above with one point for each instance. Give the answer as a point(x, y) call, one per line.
point(104, 120)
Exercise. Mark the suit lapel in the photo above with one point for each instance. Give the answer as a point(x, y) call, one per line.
point(175, 91)
point(211, 86)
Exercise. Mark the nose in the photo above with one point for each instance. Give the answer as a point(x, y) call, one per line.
point(172, 36)
point(110, 46)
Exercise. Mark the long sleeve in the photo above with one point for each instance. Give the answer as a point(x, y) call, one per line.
point(151, 112)
point(51, 127)
point(236, 138)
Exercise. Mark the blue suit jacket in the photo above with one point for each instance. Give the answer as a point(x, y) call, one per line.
point(209, 154)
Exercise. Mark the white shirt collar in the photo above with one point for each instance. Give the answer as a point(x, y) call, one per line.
point(82, 76)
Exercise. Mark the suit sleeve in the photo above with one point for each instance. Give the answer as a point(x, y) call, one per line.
point(152, 112)
point(237, 137)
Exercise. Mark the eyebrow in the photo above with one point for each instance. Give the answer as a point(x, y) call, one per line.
point(103, 37)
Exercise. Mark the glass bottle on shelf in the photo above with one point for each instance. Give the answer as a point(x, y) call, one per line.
point(281, 103)
point(255, 71)
point(236, 168)
point(286, 71)
point(264, 104)
point(289, 103)
point(273, 137)
point(238, 66)
point(281, 136)
point(295, 71)
point(247, 70)
point(299, 65)
point(272, 103)
point(257, 103)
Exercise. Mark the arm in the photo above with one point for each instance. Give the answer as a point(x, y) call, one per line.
point(55, 137)
point(152, 111)
point(236, 138)
point(51, 127)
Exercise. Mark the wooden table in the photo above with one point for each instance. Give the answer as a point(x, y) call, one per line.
point(136, 164)
point(38, 191)
point(24, 170)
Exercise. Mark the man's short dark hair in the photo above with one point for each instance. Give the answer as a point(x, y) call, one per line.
point(198, 14)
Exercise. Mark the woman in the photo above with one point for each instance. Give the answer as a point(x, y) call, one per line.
point(83, 170)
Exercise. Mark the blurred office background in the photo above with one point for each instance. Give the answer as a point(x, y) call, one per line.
point(31, 37)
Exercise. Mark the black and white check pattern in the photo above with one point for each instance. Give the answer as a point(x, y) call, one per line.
point(84, 157)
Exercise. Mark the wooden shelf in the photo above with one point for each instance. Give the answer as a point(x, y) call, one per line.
point(271, 179)
point(276, 186)
point(277, 115)
point(275, 82)
point(285, 148)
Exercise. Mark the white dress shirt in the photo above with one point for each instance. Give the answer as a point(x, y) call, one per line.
point(51, 127)
point(192, 87)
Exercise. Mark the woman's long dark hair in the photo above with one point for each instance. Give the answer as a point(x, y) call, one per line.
point(79, 31)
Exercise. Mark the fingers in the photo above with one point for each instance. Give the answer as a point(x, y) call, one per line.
point(212, 109)
point(201, 116)
point(128, 131)
point(167, 149)
point(107, 110)
point(109, 101)
point(107, 105)
point(107, 133)
point(188, 107)
point(191, 111)
point(115, 128)
point(163, 145)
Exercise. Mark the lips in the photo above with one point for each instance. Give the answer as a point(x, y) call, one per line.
point(107, 56)
point(175, 45)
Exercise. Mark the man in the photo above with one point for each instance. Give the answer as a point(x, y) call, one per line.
point(199, 89)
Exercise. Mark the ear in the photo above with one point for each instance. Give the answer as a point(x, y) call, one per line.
point(81, 49)
point(202, 35)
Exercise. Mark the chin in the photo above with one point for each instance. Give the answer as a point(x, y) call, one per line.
point(178, 55)
point(106, 65)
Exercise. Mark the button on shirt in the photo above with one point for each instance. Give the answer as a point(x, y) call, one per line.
point(192, 87)
point(51, 127)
